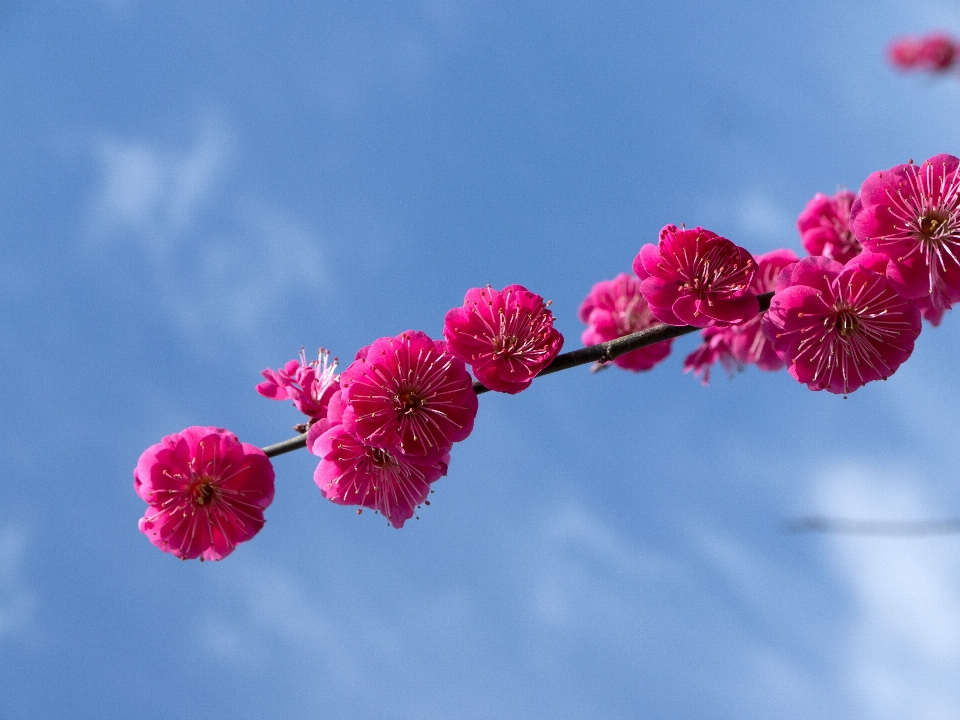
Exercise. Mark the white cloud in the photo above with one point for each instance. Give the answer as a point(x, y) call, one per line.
point(752, 219)
point(217, 259)
point(16, 599)
point(903, 644)
point(583, 571)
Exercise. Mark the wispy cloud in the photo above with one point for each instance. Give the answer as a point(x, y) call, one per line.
point(16, 599)
point(217, 258)
point(902, 654)
point(752, 219)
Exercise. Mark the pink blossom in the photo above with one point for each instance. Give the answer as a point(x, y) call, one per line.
point(309, 385)
point(615, 308)
point(507, 336)
point(745, 344)
point(695, 277)
point(352, 472)
point(824, 227)
point(937, 52)
point(911, 214)
point(839, 327)
point(206, 492)
point(928, 313)
point(408, 394)
point(904, 53)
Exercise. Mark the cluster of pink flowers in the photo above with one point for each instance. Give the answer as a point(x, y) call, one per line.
point(879, 261)
point(383, 428)
point(850, 313)
point(936, 52)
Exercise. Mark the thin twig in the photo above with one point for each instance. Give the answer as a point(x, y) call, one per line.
point(602, 353)
point(875, 528)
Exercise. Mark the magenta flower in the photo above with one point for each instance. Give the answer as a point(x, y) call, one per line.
point(309, 385)
point(824, 227)
point(615, 308)
point(206, 492)
point(354, 473)
point(745, 344)
point(911, 214)
point(904, 53)
point(408, 394)
point(507, 336)
point(695, 277)
point(839, 327)
point(935, 52)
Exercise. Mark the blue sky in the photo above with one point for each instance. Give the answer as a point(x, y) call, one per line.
point(192, 191)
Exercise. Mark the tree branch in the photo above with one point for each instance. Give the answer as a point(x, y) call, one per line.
point(602, 353)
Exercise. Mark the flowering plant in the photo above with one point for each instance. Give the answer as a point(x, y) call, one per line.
point(384, 428)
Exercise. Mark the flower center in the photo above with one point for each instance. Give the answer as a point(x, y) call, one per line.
point(930, 223)
point(505, 345)
point(379, 457)
point(846, 322)
point(409, 402)
point(205, 492)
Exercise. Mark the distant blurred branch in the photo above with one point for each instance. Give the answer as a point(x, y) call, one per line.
point(875, 528)
point(603, 353)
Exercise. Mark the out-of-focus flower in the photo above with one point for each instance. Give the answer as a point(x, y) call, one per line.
point(506, 336)
point(935, 52)
point(354, 473)
point(911, 214)
point(695, 277)
point(309, 385)
point(824, 227)
point(206, 492)
point(408, 394)
point(615, 308)
point(839, 327)
point(904, 53)
point(745, 344)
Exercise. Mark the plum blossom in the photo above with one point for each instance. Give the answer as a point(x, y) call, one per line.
point(309, 385)
point(935, 52)
point(745, 344)
point(695, 277)
point(205, 490)
point(408, 395)
point(615, 308)
point(904, 53)
point(506, 336)
point(911, 214)
point(352, 472)
point(839, 327)
point(824, 227)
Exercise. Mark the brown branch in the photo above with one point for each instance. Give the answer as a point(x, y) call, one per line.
point(602, 353)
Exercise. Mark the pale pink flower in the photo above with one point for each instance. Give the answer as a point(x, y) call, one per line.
point(824, 227)
point(506, 336)
point(408, 394)
point(309, 385)
point(615, 308)
point(352, 472)
point(911, 214)
point(745, 344)
point(206, 492)
point(695, 277)
point(904, 53)
point(839, 327)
